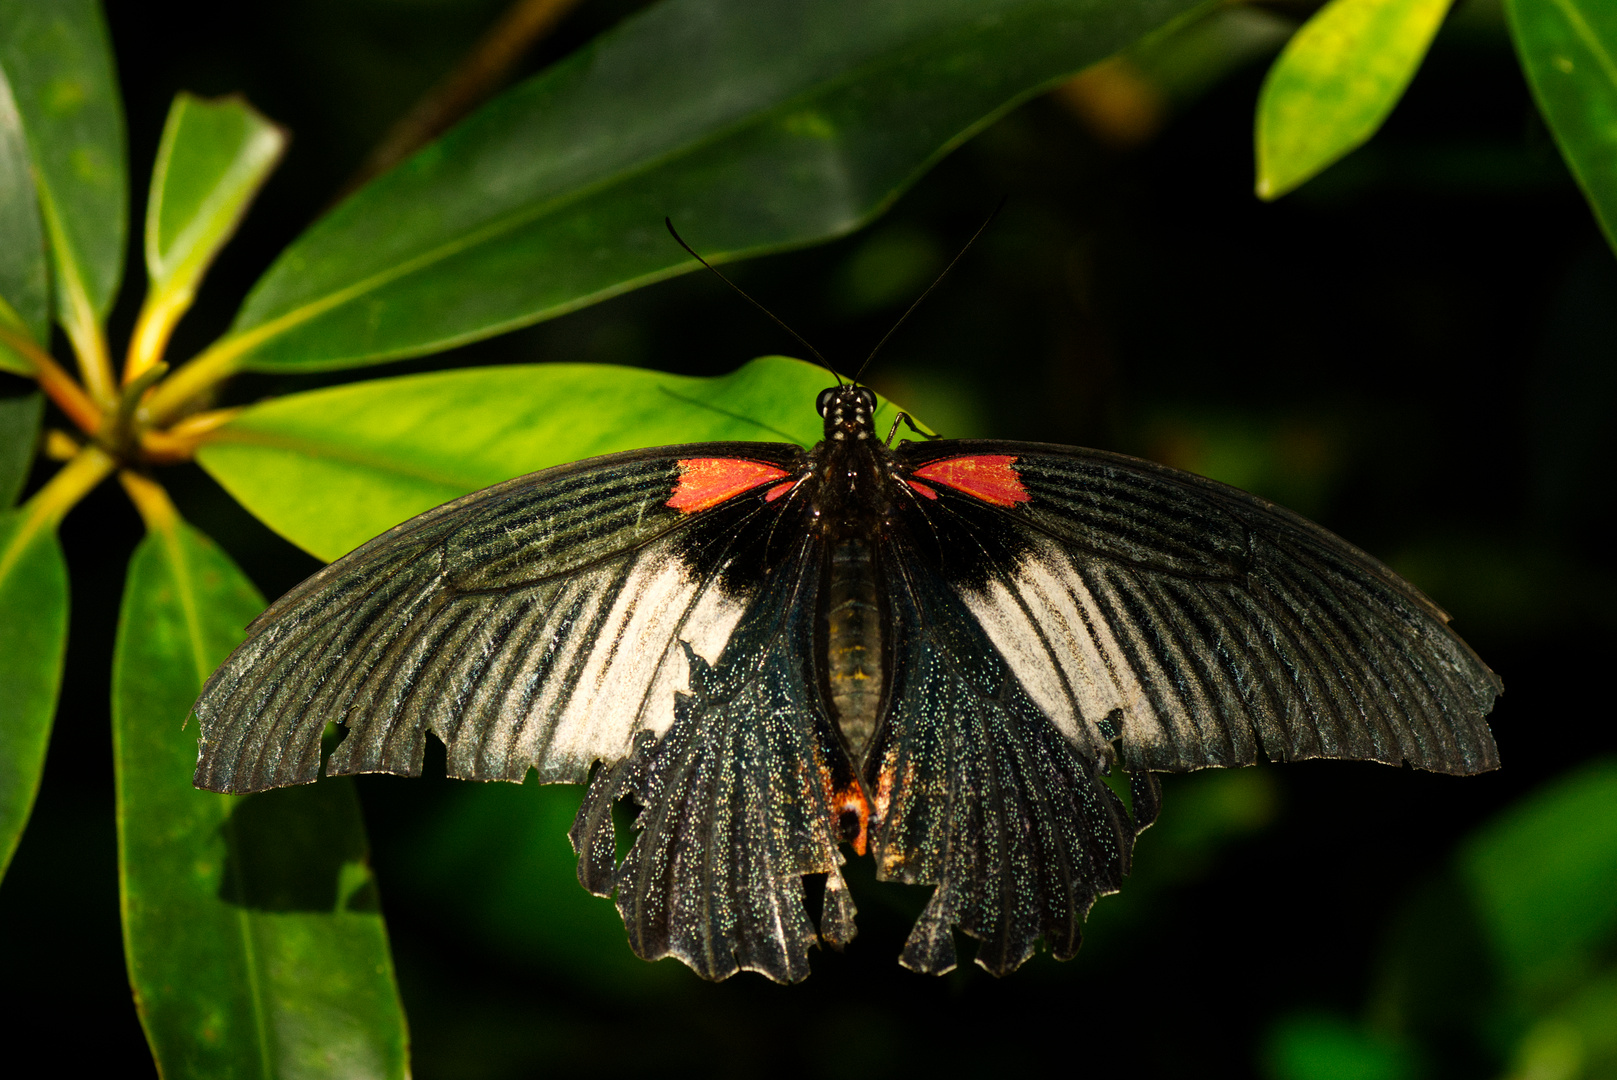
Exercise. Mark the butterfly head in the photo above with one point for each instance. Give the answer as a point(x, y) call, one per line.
point(849, 413)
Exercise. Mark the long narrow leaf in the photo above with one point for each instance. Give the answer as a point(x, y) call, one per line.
point(19, 437)
point(329, 469)
point(251, 927)
point(33, 641)
point(1569, 50)
point(59, 60)
point(1335, 82)
point(753, 125)
point(24, 297)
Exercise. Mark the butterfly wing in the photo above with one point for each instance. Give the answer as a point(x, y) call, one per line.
point(1200, 624)
point(738, 801)
point(977, 792)
point(539, 623)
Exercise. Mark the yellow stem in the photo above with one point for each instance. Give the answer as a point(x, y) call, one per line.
point(57, 383)
point(214, 364)
point(180, 442)
point(60, 494)
point(158, 317)
point(151, 501)
point(79, 320)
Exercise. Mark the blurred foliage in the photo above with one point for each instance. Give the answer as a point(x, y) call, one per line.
point(1413, 347)
point(1503, 963)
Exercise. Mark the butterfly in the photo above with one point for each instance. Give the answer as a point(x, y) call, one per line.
point(932, 653)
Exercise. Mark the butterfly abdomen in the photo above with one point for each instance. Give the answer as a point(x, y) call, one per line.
point(854, 642)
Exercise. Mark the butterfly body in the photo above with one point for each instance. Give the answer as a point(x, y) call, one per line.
point(932, 653)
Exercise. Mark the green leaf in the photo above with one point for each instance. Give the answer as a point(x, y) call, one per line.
point(1335, 82)
point(1324, 1046)
point(1569, 51)
point(754, 126)
point(330, 469)
point(1543, 877)
point(251, 926)
point(24, 292)
point(19, 438)
point(33, 642)
point(59, 60)
point(213, 158)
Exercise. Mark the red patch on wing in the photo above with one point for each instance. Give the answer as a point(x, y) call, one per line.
point(778, 490)
point(706, 482)
point(988, 477)
point(923, 489)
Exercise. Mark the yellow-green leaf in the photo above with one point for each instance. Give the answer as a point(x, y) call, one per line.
point(1569, 50)
point(24, 294)
point(33, 642)
point(1335, 82)
point(254, 940)
point(213, 158)
point(330, 469)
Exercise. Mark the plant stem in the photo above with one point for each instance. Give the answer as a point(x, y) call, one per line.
point(180, 442)
point(79, 317)
point(214, 364)
point(60, 494)
point(159, 314)
point(474, 79)
point(156, 509)
point(57, 383)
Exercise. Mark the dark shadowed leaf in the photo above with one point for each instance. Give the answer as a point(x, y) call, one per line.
point(1335, 82)
point(251, 925)
point(24, 296)
point(59, 60)
point(331, 468)
point(754, 126)
point(19, 436)
point(1569, 50)
point(33, 641)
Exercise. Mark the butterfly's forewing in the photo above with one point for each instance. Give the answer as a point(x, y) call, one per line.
point(738, 801)
point(1201, 624)
point(539, 623)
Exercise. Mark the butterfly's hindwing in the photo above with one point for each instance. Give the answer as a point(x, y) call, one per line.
point(737, 802)
point(978, 792)
point(539, 623)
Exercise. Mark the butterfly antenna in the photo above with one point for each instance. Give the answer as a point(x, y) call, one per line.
point(680, 240)
point(918, 300)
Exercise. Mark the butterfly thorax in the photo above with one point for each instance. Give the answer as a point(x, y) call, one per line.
point(850, 504)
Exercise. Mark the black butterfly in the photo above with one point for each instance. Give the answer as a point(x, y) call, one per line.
point(932, 652)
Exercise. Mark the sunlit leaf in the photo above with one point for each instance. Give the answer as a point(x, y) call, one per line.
point(1544, 876)
point(24, 297)
point(213, 158)
point(59, 60)
point(1335, 82)
point(754, 126)
point(33, 641)
point(329, 469)
point(1569, 50)
point(19, 436)
point(251, 926)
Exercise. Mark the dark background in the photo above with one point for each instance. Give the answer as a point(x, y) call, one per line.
point(1415, 349)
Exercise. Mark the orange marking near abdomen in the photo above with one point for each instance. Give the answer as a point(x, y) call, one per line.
point(852, 800)
point(706, 482)
point(988, 477)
